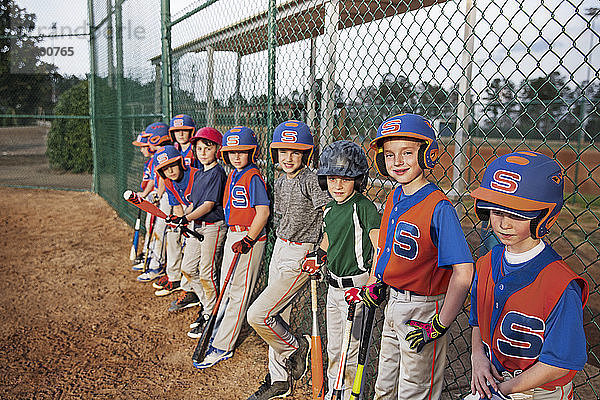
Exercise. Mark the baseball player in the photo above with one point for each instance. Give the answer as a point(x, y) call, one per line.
point(351, 229)
point(246, 207)
point(423, 257)
point(159, 137)
point(526, 303)
point(206, 210)
point(181, 128)
point(298, 207)
point(146, 186)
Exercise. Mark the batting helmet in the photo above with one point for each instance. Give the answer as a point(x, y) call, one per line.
point(343, 158)
point(159, 134)
point(166, 156)
point(181, 122)
point(402, 126)
point(239, 138)
point(294, 135)
point(141, 140)
point(525, 183)
point(210, 134)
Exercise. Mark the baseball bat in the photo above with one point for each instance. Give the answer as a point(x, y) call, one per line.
point(136, 236)
point(365, 338)
point(202, 345)
point(145, 205)
point(339, 381)
point(316, 349)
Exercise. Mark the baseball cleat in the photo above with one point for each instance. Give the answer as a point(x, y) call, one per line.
point(138, 267)
point(197, 330)
point(185, 300)
point(297, 363)
point(275, 390)
point(160, 282)
point(213, 356)
point(168, 288)
point(151, 275)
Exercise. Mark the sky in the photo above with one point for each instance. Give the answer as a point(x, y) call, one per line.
point(515, 39)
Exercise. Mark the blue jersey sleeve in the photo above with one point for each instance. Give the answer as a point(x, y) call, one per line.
point(172, 199)
point(258, 192)
point(448, 236)
point(473, 320)
point(564, 339)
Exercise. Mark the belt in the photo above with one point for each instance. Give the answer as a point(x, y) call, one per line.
point(238, 228)
point(289, 241)
point(345, 282)
point(423, 297)
point(204, 223)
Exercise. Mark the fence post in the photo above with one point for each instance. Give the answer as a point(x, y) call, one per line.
point(332, 17)
point(109, 44)
point(165, 27)
point(122, 174)
point(311, 106)
point(92, 94)
point(238, 97)
point(210, 77)
point(463, 116)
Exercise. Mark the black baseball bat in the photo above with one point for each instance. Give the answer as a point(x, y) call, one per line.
point(365, 338)
point(202, 345)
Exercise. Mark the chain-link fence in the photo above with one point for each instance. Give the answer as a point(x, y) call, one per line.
point(492, 76)
point(43, 95)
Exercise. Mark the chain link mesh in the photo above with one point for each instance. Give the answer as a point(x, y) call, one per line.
point(492, 76)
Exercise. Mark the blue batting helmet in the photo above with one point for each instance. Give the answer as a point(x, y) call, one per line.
point(402, 126)
point(159, 133)
point(293, 135)
point(239, 138)
point(525, 183)
point(181, 122)
point(166, 156)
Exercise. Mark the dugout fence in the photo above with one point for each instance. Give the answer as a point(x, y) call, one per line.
point(493, 76)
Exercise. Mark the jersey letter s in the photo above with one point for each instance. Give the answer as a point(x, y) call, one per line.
point(521, 336)
point(239, 197)
point(405, 244)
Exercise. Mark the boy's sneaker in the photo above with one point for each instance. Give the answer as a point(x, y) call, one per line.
point(296, 363)
point(168, 288)
point(214, 356)
point(160, 282)
point(199, 320)
point(268, 390)
point(185, 300)
point(139, 259)
point(150, 275)
point(196, 331)
point(138, 267)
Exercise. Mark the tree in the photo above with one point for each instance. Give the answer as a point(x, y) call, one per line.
point(500, 105)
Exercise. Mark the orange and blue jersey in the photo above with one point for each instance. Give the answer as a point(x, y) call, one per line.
point(423, 239)
point(530, 312)
point(179, 192)
point(188, 156)
point(244, 190)
point(147, 175)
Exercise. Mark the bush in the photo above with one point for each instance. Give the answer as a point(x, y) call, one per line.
point(69, 141)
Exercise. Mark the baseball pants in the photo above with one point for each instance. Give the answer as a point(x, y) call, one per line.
point(237, 293)
point(199, 262)
point(403, 373)
point(157, 249)
point(174, 254)
point(269, 315)
point(559, 393)
point(337, 312)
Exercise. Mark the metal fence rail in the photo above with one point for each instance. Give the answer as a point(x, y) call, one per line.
point(493, 76)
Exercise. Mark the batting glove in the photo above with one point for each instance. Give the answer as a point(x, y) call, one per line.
point(426, 332)
point(352, 295)
point(171, 221)
point(243, 246)
point(314, 261)
point(373, 295)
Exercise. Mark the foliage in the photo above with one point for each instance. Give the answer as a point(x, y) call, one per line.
point(69, 144)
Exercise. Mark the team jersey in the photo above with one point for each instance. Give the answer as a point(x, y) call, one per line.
point(347, 226)
point(188, 156)
point(298, 207)
point(529, 312)
point(244, 190)
point(179, 192)
point(420, 238)
point(147, 175)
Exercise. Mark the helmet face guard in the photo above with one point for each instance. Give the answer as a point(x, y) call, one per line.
point(407, 126)
point(523, 183)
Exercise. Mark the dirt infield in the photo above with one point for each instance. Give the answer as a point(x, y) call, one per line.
point(78, 325)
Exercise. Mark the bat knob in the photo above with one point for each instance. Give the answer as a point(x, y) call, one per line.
point(127, 194)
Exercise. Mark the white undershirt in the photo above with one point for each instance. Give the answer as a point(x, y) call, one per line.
point(519, 258)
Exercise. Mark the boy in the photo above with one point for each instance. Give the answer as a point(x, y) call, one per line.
point(351, 229)
point(181, 128)
point(246, 207)
point(159, 136)
point(298, 207)
point(146, 186)
point(422, 255)
point(199, 258)
point(526, 303)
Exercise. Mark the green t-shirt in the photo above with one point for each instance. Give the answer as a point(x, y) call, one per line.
point(347, 226)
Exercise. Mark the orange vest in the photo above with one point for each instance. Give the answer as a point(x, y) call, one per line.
point(236, 199)
point(407, 256)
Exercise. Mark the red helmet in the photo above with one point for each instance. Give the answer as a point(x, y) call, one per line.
point(208, 133)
